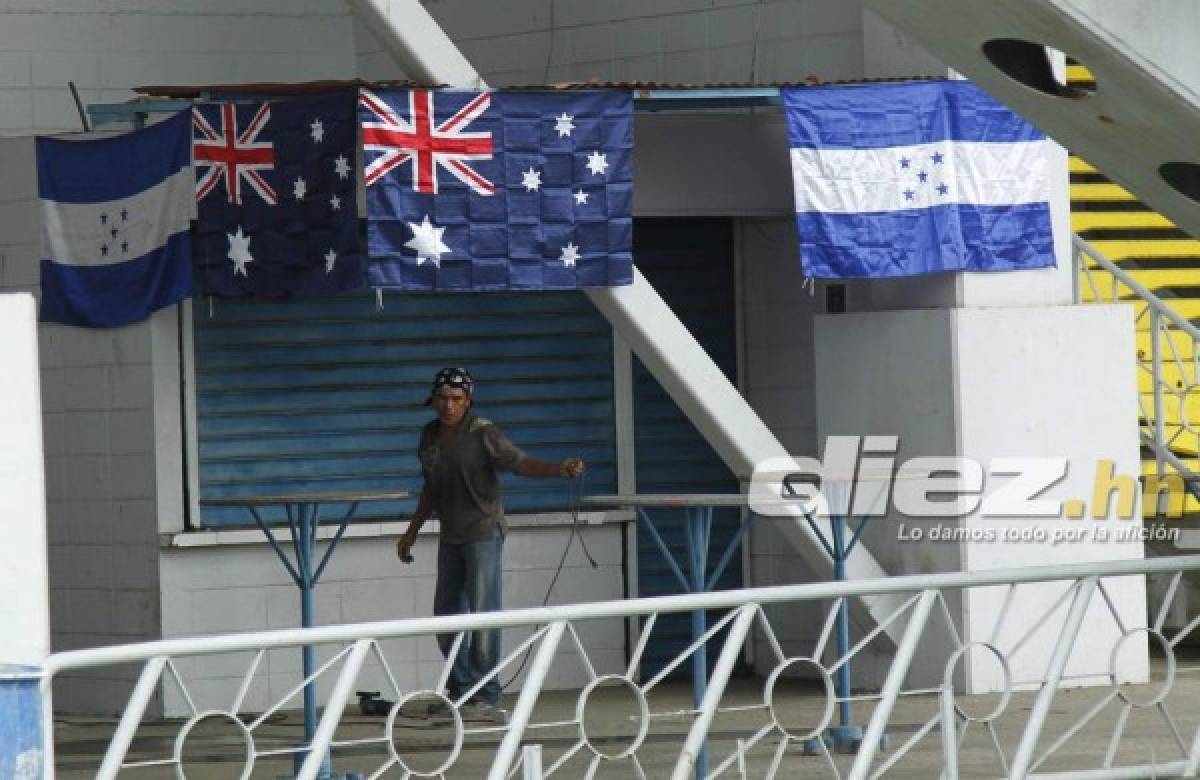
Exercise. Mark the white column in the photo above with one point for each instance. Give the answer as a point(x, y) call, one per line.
point(26, 734)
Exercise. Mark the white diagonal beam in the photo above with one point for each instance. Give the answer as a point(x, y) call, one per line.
point(636, 311)
point(416, 42)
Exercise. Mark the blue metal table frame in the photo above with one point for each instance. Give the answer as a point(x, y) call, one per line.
point(846, 737)
point(697, 528)
point(303, 520)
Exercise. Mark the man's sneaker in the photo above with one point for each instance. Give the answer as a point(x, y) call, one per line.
point(438, 710)
point(476, 711)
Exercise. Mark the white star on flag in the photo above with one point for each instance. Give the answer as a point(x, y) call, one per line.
point(341, 166)
point(330, 259)
point(597, 163)
point(318, 131)
point(581, 198)
point(532, 180)
point(299, 187)
point(570, 253)
point(427, 242)
point(564, 124)
point(335, 203)
point(239, 251)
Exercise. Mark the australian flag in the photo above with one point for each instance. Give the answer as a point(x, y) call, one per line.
point(275, 187)
point(514, 190)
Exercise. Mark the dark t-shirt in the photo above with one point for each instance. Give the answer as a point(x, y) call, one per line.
point(461, 474)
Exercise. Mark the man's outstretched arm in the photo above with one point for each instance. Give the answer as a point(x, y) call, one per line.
point(536, 467)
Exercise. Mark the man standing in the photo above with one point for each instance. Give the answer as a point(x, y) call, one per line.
point(461, 455)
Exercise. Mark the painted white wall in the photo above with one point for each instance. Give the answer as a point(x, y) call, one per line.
point(110, 398)
point(988, 383)
point(23, 566)
point(688, 41)
point(240, 585)
point(108, 48)
point(1158, 30)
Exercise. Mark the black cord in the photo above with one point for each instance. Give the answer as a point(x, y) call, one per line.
point(574, 494)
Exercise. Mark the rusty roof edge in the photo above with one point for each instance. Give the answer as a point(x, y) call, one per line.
point(643, 88)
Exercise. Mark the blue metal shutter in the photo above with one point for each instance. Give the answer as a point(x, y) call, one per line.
point(690, 263)
point(327, 394)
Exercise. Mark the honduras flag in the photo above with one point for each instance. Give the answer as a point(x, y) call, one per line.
point(912, 178)
point(115, 241)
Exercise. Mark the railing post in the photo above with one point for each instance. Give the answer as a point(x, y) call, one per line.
point(130, 719)
point(949, 732)
point(1076, 269)
point(335, 707)
point(1160, 438)
point(530, 690)
point(1023, 760)
point(531, 762)
point(716, 689)
point(892, 685)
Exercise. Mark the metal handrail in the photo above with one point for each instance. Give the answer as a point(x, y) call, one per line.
point(1150, 299)
point(927, 604)
point(1163, 319)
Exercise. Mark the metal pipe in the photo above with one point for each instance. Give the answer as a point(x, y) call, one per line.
point(698, 735)
point(1156, 378)
point(507, 752)
point(892, 685)
point(130, 719)
point(949, 731)
point(531, 762)
point(335, 707)
point(725, 599)
point(695, 522)
point(1023, 760)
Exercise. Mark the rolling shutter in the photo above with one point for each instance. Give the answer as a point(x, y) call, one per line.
point(690, 264)
point(327, 394)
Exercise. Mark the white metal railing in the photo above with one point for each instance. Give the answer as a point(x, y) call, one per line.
point(1089, 590)
point(1169, 418)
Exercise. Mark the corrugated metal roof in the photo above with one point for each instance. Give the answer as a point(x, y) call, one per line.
point(314, 87)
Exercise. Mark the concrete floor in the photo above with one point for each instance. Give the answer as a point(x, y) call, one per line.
point(214, 756)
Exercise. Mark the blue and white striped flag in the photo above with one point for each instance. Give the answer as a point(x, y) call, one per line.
point(916, 177)
point(115, 235)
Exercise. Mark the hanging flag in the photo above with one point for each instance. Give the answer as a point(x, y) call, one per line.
point(115, 213)
point(275, 188)
point(498, 190)
point(918, 177)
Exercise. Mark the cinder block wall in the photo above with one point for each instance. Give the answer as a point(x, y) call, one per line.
point(107, 48)
point(111, 398)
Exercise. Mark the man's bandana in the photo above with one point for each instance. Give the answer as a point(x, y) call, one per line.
point(457, 378)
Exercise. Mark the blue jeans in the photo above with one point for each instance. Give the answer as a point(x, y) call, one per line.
point(469, 579)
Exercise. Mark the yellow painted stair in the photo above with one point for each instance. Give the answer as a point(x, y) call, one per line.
point(1161, 258)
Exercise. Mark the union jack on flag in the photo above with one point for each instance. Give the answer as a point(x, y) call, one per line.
point(425, 144)
point(514, 190)
point(231, 156)
point(277, 205)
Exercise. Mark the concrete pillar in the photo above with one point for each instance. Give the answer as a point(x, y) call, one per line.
point(988, 384)
point(25, 640)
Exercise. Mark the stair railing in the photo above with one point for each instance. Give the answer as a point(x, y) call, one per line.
point(1173, 367)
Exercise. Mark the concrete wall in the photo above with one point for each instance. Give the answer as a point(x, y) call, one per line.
point(23, 566)
point(691, 41)
point(111, 400)
point(1045, 384)
point(107, 48)
point(232, 581)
